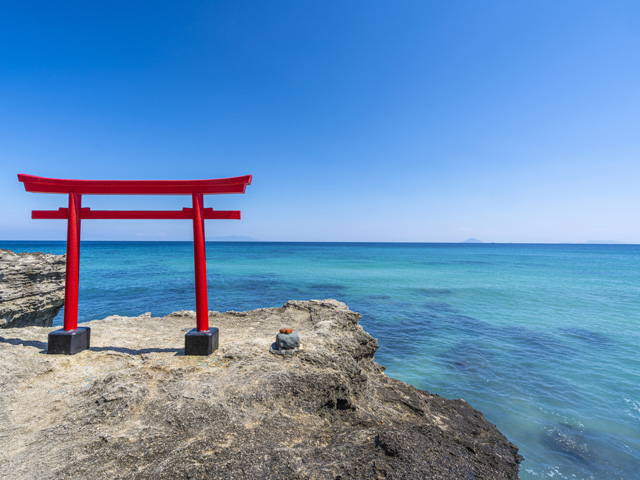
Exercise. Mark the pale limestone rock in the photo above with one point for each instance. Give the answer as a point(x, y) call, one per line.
point(31, 288)
point(133, 406)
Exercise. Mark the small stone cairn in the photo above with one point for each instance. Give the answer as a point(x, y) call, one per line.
point(287, 342)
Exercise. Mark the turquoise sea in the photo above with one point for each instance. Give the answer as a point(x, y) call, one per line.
point(543, 339)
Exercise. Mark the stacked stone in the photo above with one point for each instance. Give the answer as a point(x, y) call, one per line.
point(287, 342)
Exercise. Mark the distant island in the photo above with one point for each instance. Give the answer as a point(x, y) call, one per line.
point(605, 242)
point(231, 238)
point(590, 242)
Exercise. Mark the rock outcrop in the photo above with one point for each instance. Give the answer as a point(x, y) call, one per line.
point(133, 406)
point(31, 288)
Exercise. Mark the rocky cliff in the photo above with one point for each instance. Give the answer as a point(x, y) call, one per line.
point(31, 288)
point(133, 406)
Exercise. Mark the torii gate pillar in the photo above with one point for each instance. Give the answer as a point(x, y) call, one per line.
point(202, 340)
point(71, 339)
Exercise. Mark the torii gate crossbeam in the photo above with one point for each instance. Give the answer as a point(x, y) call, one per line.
point(71, 339)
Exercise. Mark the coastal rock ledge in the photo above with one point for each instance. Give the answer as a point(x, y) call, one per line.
point(31, 288)
point(133, 406)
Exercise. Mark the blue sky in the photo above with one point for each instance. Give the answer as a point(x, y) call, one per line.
point(360, 121)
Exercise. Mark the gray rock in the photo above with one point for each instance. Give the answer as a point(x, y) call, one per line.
point(133, 406)
point(31, 288)
point(287, 341)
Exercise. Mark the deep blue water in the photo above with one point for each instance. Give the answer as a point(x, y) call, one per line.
point(543, 339)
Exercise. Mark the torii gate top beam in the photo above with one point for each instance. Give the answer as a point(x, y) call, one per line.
point(135, 187)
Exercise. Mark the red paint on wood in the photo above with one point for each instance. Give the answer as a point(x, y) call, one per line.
point(88, 214)
point(135, 187)
point(200, 260)
point(72, 277)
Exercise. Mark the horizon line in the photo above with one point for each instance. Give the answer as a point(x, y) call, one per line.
point(591, 242)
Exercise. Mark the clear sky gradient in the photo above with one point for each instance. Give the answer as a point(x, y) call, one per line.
point(425, 121)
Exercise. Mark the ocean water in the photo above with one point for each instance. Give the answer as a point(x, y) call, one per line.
point(543, 339)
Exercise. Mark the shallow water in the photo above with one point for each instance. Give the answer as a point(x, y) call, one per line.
point(543, 339)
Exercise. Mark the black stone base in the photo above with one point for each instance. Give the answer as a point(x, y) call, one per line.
point(69, 342)
point(201, 343)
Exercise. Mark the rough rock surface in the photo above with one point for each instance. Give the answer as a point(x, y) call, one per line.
point(133, 406)
point(31, 288)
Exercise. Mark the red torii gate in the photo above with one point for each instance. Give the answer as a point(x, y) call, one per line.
point(200, 341)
